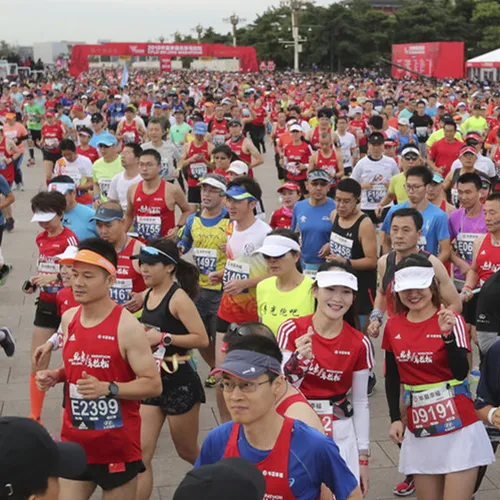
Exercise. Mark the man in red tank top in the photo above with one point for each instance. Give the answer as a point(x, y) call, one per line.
point(108, 368)
point(130, 129)
point(151, 203)
point(243, 146)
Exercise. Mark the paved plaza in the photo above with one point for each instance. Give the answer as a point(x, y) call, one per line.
point(16, 312)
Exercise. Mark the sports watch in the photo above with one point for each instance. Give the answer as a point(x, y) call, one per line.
point(166, 339)
point(113, 389)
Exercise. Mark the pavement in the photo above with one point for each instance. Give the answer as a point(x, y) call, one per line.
point(17, 311)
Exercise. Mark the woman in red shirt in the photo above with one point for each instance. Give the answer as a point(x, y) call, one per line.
point(427, 351)
point(290, 194)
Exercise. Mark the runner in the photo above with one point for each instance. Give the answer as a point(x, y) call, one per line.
point(422, 124)
point(445, 151)
point(427, 351)
point(296, 449)
point(295, 158)
point(106, 167)
point(174, 325)
point(48, 210)
point(287, 292)
point(108, 375)
point(279, 128)
point(16, 132)
point(243, 147)
point(151, 203)
point(290, 194)
point(205, 234)
point(436, 195)
point(33, 114)
point(311, 218)
point(6, 199)
point(223, 157)
point(217, 127)
point(324, 126)
point(130, 130)
point(328, 159)
point(51, 136)
point(9, 154)
point(99, 127)
point(115, 112)
point(85, 135)
point(328, 358)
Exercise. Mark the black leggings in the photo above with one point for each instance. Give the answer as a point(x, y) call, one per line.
point(257, 134)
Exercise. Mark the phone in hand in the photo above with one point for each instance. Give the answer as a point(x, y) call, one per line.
point(27, 286)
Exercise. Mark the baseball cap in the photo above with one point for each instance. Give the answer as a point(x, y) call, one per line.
point(324, 113)
point(227, 479)
point(413, 278)
point(390, 142)
point(83, 130)
point(337, 277)
point(473, 136)
point(376, 138)
point(468, 149)
point(462, 105)
point(107, 140)
point(226, 100)
point(92, 258)
point(437, 179)
point(200, 128)
point(77, 107)
point(318, 174)
point(214, 182)
point(238, 167)
point(247, 365)
point(276, 246)
point(357, 109)
point(107, 214)
point(296, 126)
point(97, 117)
point(292, 186)
point(9, 116)
point(118, 96)
point(43, 216)
point(403, 121)
point(49, 114)
point(131, 108)
point(234, 122)
point(29, 456)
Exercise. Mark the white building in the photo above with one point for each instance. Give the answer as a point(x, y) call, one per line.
point(49, 52)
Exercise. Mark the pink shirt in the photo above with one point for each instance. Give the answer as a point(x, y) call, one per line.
point(12, 132)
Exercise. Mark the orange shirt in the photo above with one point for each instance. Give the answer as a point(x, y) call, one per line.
point(12, 132)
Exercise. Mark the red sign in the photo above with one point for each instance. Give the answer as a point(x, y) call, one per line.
point(263, 66)
point(271, 66)
point(436, 60)
point(81, 53)
point(165, 64)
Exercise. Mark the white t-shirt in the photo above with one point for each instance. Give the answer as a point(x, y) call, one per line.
point(119, 187)
point(483, 164)
point(347, 143)
point(81, 167)
point(377, 172)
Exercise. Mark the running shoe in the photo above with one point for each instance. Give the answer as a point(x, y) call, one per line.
point(31, 163)
point(4, 273)
point(210, 381)
point(405, 488)
point(8, 344)
point(372, 382)
point(9, 224)
point(19, 187)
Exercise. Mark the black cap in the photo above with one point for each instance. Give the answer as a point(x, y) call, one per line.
point(324, 113)
point(234, 121)
point(376, 138)
point(225, 480)
point(97, 117)
point(29, 456)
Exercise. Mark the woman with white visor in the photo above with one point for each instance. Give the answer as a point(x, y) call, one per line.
point(427, 347)
point(330, 359)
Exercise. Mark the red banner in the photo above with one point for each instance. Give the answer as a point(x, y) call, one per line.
point(271, 66)
point(436, 60)
point(165, 64)
point(80, 53)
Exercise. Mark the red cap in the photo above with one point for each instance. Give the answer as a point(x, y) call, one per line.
point(474, 136)
point(50, 113)
point(289, 185)
point(77, 108)
point(468, 149)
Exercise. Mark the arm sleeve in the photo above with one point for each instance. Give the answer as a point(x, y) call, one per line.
point(361, 416)
point(186, 240)
point(392, 386)
point(294, 220)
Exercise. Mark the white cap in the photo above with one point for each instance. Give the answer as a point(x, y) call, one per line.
point(413, 278)
point(337, 277)
point(69, 253)
point(403, 121)
point(43, 216)
point(118, 96)
point(296, 126)
point(25, 93)
point(276, 246)
point(357, 109)
point(211, 181)
point(13, 84)
point(461, 105)
point(238, 167)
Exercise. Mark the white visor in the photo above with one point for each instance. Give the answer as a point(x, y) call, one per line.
point(214, 183)
point(276, 246)
point(410, 150)
point(69, 253)
point(43, 216)
point(337, 278)
point(413, 278)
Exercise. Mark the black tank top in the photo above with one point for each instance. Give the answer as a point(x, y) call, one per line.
point(345, 243)
point(161, 319)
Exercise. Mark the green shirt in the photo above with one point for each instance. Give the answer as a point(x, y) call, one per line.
point(397, 187)
point(34, 112)
point(178, 132)
point(474, 124)
point(103, 172)
point(438, 135)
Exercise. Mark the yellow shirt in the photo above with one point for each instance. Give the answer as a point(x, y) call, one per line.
point(438, 135)
point(275, 306)
point(397, 187)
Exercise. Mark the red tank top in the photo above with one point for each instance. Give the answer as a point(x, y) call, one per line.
point(279, 131)
point(91, 153)
point(328, 165)
point(6, 169)
point(237, 147)
point(315, 139)
point(282, 408)
point(260, 116)
point(127, 278)
point(153, 218)
point(108, 429)
point(275, 466)
point(65, 300)
point(53, 135)
point(130, 132)
point(197, 170)
point(219, 131)
point(487, 260)
point(294, 155)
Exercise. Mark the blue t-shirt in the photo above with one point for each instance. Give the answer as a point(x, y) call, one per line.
point(78, 220)
point(4, 190)
point(405, 139)
point(434, 230)
point(432, 112)
point(313, 459)
point(66, 120)
point(187, 240)
point(315, 227)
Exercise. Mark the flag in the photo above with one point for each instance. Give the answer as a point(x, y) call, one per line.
point(124, 76)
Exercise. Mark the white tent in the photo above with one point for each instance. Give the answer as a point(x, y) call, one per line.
point(485, 66)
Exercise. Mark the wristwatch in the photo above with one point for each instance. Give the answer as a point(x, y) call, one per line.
point(113, 389)
point(166, 339)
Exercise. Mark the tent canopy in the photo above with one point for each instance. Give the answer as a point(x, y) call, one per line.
point(488, 60)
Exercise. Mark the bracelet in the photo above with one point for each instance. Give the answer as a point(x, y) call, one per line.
point(490, 415)
point(377, 315)
point(363, 461)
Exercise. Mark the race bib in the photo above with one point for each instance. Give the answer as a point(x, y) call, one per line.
point(324, 410)
point(143, 110)
point(340, 246)
point(51, 142)
point(219, 140)
point(205, 260)
point(165, 167)
point(45, 268)
point(158, 356)
point(421, 131)
point(104, 186)
point(3, 164)
point(293, 167)
point(433, 412)
point(149, 227)
point(121, 290)
point(376, 194)
point(454, 197)
point(347, 160)
point(198, 170)
point(465, 244)
point(128, 137)
point(236, 271)
point(94, 414)
point(310, 270)
point(422, 243)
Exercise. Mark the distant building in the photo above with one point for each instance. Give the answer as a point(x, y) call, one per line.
point(49, 52)
point(24, 52)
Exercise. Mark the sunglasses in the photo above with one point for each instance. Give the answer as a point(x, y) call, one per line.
point(154, 251)
point(411, 157)
point(240, 331)
point(269, 257)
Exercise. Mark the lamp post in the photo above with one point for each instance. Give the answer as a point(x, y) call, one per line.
point(234, 20)
point(295, 6)
point(198, 29)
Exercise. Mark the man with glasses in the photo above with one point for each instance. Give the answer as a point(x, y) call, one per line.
point(435, 237)
point(300, 459)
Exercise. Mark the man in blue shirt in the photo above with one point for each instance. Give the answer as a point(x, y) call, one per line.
point(99, 126)
point(77, 216)
point(116, 111)
point(311, 218)
point(405, 133)
point(6, 199)
point(435, 237)
point(294, 458)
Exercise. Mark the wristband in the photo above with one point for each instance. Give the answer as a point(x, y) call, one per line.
point(54, 340)
point(490, 415)
point(363, 461)
point(348, 262)
point(61, 375)
point(377, 315)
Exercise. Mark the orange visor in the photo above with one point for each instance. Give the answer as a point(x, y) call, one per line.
point(92, 258)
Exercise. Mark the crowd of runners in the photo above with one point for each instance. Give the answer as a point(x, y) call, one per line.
point(154, 245)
